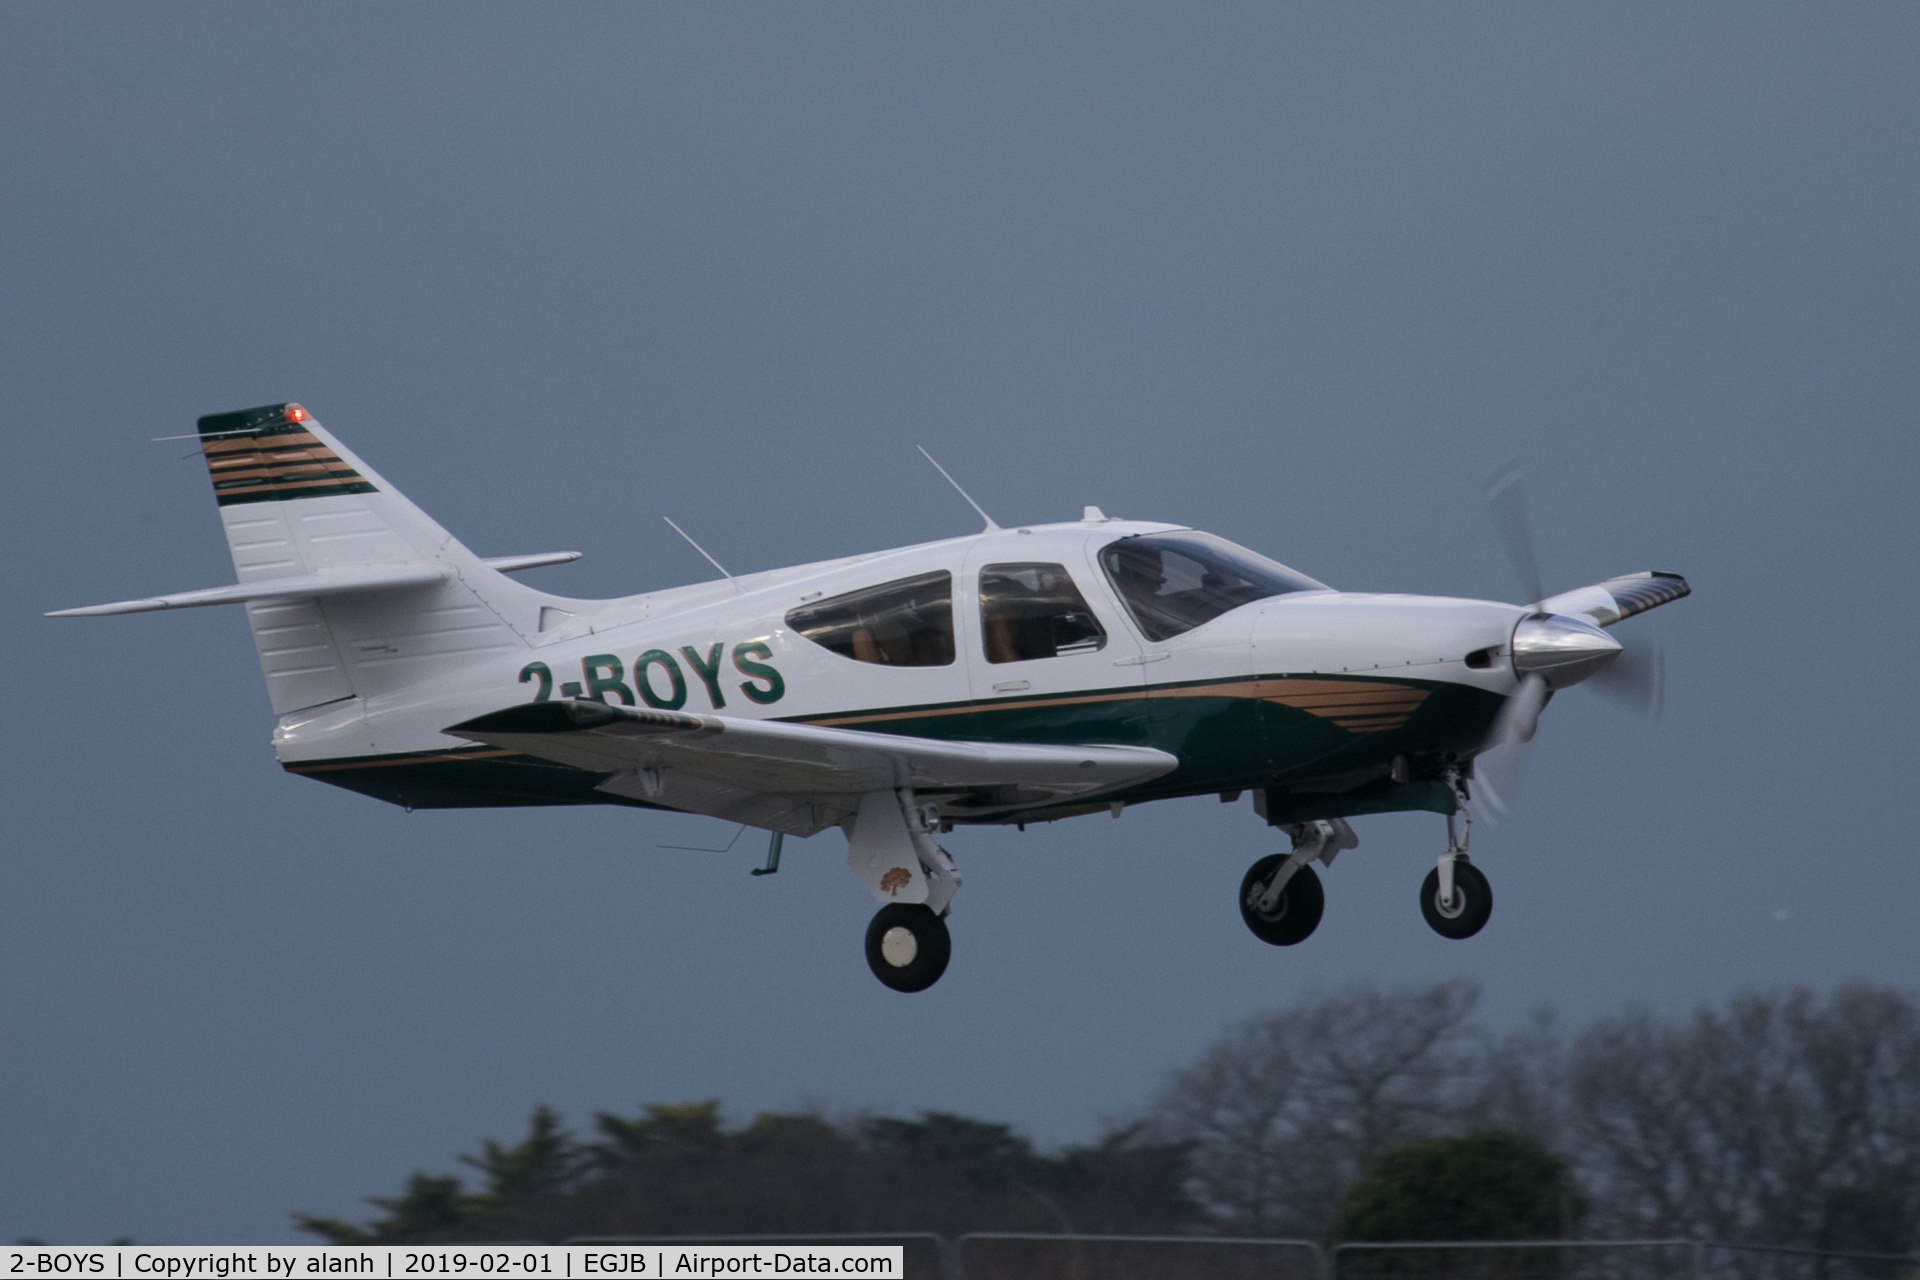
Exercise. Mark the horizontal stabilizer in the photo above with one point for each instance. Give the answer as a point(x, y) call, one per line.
point(1608, 602)
point(514, 564)
point(326, 582)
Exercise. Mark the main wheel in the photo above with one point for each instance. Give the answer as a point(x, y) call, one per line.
point(908, 946)
point(1472, 901)
point(1297, 913)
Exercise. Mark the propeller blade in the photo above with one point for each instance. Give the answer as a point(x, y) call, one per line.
point(1521, 715)
point(1508, 501)
point(1637, 680)
point(1498, 775)
point(1501, 770)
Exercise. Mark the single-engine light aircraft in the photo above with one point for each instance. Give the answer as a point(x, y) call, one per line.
point(1013, 676)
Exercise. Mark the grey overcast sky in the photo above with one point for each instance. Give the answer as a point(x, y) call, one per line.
point(1301, 275)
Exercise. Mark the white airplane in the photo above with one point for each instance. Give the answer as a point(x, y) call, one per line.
point(1013, 676)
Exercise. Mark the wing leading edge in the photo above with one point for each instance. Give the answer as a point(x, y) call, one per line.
point(800, 778)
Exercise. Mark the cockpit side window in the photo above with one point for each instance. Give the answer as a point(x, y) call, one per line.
point(905, 623)
point(1174, 582)
point(1032, 611)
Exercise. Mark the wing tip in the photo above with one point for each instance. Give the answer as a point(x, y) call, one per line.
point(1641, 592)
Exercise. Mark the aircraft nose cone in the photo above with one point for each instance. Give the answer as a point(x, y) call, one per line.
point(1560, 649)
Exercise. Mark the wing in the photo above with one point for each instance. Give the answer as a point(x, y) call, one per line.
point(800, 778)
point(1608, 602)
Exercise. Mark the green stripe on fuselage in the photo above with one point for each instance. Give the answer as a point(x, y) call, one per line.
point(1223, 743)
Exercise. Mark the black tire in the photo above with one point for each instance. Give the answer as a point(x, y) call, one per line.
point(1472, 901)
point(932, 946)
point(1295, 916)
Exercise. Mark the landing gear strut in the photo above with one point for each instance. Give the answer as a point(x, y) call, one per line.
point(1455, 898)
point(908, 946)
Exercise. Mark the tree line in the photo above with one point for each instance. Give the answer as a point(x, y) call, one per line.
point(1779, 1118)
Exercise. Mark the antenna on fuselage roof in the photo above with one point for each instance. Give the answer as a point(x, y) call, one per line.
point(991, 526)
point(697, 547)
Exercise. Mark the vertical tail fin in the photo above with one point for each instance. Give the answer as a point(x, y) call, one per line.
point(294, 501)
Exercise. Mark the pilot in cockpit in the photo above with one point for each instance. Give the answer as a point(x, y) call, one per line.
point(1137, 573)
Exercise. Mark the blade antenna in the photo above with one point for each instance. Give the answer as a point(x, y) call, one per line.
point(991, 526)
point(697, 547)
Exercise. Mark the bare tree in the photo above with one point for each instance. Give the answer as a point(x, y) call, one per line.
point(1519, 1083)
point(1284, 1110)
point(1782, 1120)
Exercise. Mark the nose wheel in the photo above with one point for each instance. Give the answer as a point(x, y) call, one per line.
point(908, 946)
point(1287, 917)
point(1463, 912)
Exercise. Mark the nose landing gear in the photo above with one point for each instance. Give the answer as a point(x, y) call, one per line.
point(1455, 898)
point(1464, 910)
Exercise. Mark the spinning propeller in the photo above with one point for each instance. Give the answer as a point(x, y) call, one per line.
point(1552, 651)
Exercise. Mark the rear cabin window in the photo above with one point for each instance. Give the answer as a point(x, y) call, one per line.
point(907, 623)
point(1034, 611)
point(1174, 582)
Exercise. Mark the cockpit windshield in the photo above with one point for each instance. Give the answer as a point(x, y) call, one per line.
point(1174, 582)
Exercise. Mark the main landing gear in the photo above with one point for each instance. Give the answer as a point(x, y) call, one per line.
point(908, 946)
point(890, 847)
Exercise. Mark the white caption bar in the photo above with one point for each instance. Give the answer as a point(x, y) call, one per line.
point(403, 1262)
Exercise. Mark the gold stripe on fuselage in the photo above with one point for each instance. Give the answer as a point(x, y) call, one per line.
point(1358, 706)
point(971, 708)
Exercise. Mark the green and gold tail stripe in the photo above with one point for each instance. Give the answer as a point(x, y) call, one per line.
point(268, 455)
